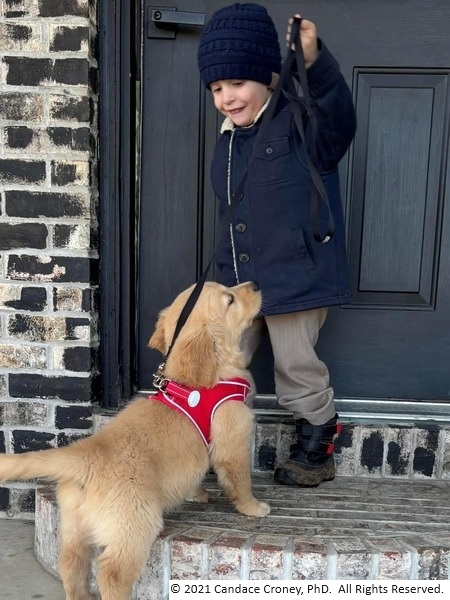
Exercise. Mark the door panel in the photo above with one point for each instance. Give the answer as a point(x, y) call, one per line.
point(392, 340)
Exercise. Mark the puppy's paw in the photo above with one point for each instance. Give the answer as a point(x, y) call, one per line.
point(201, 496)
point(254, 508)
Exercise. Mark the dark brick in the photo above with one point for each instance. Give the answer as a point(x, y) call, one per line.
point(60, 136)
point(62, 234)
point(72, 389)
point(372, 451)
point(44, 204)
point(25, 440)
point(18, 32)
point(15, 14)
point(50, 8)
point(398, 463)
point(425, 456)
point(21, 171)
point(17, 106)
point(69, 39)
point(11, 10)
point(11, 6)
point(23, 235)
point(94, 44)
point(37, 328)
point(71, 71)
point(2, 443)
point(345, 438)
point(90, 300)
point(73, 108)
point(4, 498)
point(26, 501)
point(80, 359)
point(64, 439)
point(73, 417)
point(93, 79)
point(74, 269)
point(267, 456)
point(76, 139)
point(424, 460)
point(432, 436)
point(72, 323)
point(27, 71)
point(18, 137)
point(31, 298)
point(82, 140)
point(63, 174)
point(94, 238)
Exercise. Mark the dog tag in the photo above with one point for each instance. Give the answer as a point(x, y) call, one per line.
point(194, 398)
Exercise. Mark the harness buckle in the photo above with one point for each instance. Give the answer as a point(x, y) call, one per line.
point(159, 381)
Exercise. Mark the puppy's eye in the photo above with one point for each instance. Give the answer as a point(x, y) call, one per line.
point(230, 299)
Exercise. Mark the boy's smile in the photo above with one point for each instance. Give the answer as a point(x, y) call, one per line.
point(240, 100)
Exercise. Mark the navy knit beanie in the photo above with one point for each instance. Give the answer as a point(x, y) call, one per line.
point(239, 42)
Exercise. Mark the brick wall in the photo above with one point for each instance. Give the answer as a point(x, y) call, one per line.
point(48, 228)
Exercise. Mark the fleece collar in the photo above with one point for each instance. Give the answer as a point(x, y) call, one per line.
point(199, 405)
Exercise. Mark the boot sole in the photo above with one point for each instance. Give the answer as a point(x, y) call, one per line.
point(294, 475)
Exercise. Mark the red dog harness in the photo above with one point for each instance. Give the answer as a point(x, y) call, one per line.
point(200, 405)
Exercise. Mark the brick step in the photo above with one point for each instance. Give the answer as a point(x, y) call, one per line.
point(402, 449)
point(364, 448)
point(350, 528)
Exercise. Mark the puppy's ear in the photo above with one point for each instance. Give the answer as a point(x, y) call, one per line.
point(193, 359)
point(158, 338)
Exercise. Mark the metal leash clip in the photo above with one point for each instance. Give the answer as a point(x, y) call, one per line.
point(159, 381)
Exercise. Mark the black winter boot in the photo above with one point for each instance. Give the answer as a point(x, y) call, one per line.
point(311, 460)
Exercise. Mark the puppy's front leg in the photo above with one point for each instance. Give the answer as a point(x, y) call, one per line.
point(231, 434)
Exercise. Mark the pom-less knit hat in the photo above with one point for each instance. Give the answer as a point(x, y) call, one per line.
point(239, 42)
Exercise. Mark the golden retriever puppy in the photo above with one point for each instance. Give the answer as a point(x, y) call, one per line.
point(114, 486)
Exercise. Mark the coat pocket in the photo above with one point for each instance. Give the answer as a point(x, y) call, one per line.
point(271, 164)
point(272, 149)
point(303, 247)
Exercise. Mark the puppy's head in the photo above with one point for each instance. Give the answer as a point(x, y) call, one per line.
point(208, 346)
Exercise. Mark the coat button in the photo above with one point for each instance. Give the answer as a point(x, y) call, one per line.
point(241, 227)
point(244, 257)
point(269, 150)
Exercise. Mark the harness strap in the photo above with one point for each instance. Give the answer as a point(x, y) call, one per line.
point(200, 405)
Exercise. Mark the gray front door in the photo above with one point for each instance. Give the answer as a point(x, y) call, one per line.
point(393, 340)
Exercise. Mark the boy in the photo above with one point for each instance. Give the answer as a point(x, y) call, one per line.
point(271, 240)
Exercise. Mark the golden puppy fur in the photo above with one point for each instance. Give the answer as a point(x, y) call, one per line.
point(114, 487)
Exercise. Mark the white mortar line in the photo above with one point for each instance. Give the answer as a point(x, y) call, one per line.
point(288, 553)
point(245, 558)
point(331, 562)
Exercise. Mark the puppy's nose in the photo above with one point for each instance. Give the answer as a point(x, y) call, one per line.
point(255, 286)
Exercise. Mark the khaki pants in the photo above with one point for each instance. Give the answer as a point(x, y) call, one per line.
point(302, 382)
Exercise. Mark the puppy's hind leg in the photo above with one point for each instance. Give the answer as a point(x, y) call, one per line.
point(231, 435)
point(76, 554)
point(124, 557)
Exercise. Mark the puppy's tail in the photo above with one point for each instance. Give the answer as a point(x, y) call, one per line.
point(59, 464)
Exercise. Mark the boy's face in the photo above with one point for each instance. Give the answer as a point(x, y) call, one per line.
point(241, 100)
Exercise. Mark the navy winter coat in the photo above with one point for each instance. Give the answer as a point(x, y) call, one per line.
point(270, 237)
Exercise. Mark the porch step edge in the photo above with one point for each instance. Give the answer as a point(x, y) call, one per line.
point(346, 529)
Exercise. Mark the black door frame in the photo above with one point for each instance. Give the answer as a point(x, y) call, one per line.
point(119, 61)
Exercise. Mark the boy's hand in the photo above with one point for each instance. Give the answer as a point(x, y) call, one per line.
point(308, 37)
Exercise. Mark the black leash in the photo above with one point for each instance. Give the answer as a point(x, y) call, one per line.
point(285, 87)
